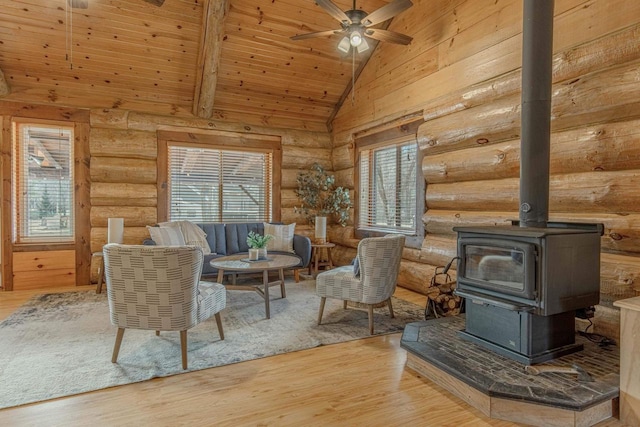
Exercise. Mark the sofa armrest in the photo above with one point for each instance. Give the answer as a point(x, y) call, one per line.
point(302, 248)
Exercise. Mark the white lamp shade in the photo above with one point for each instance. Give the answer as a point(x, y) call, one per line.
point(115, 230)
point(321, 229)
point(363, 46)
point(344, 45)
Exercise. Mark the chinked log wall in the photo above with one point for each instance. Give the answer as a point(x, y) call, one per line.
point(471, 144)
point(123, 147)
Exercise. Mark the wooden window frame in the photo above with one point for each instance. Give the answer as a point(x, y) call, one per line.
point(399, 133)
point(219, 140)
point(79, 119)
point(17, 160)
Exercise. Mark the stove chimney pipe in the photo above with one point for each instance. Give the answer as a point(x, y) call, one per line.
point(537, 54)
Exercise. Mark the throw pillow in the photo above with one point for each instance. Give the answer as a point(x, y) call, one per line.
point(282, 237)
point(356, 267)
point(166, 235)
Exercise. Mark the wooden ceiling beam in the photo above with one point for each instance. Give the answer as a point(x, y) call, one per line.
point(215, 12)
point(4, 86)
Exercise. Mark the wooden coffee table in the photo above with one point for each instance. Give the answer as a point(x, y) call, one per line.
point(240, 264)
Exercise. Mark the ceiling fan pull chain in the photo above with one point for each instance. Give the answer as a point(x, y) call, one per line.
point(71, 38)
point(66, 31)
point(68, 11)
point(353, 77)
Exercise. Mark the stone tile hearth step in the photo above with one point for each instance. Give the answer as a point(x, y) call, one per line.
point(501, 388)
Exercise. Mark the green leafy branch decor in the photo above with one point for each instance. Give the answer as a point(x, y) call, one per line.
point(258, 241)
point(320, 196)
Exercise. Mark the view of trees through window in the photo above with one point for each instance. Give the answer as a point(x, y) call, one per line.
point(218, 185)
point(388, 188)
point(43, 183)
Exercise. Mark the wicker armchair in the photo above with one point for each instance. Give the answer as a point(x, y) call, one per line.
point(159, 288)
point(378, 262)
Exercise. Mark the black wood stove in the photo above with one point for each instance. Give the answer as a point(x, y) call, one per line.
point(524, 283)
point(523, 286)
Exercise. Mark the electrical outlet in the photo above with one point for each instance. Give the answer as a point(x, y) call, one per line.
point(585, 313)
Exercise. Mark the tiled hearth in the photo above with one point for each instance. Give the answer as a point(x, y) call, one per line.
point(501, 388)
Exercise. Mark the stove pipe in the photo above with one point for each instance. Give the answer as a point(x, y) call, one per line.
point(537, 53)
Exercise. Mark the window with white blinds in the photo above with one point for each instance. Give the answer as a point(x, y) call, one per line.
point(214, 185)
point(387, 188)
point(42, 183)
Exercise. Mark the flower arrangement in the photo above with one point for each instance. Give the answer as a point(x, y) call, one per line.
point(258, 241)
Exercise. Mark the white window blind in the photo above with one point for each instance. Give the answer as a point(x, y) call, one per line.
point(219, 185)
point(388, 188)
point(42, 183)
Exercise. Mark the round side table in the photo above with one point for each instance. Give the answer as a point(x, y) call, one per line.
point(320, 257)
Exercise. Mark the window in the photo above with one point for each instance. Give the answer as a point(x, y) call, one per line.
point(387, 196)
point(389, 184)
point(208, 184)
point(42, 182)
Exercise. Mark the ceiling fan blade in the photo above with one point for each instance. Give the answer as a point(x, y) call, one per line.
point(386, 12)
point(84, 4)
point(79, 4)
point(316, 34)
point(333, 10)
point(387, 36)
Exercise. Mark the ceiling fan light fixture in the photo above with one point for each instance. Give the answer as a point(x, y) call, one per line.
point(355, 38)
point(344, 45)
point(364, 46)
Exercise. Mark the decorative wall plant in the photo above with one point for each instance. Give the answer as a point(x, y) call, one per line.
point(320, 197)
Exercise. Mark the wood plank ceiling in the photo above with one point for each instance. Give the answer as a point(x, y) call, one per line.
point(133, 55)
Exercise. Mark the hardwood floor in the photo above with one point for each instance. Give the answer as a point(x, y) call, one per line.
point(356, 383)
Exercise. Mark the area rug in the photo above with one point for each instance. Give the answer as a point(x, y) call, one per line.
point(61, 344)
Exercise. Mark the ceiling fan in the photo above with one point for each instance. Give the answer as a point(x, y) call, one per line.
point(356, 25)
point(84, 4)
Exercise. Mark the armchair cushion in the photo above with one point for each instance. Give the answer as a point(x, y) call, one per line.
point(339, 283)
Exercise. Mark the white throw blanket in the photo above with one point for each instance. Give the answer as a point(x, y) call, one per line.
point(193, 235)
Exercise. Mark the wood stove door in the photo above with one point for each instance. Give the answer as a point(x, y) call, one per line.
point(504, 267)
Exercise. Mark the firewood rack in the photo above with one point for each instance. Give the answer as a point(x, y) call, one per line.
point(440, 299)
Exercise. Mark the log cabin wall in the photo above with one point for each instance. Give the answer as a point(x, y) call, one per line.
point(462, 72)
point(123, 147)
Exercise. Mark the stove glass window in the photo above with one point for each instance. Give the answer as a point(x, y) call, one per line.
point(502, 267)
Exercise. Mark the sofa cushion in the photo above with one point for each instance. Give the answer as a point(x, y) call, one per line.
point(207, 269)
point(215, 237)
point(237, 236)
point(282, 237)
